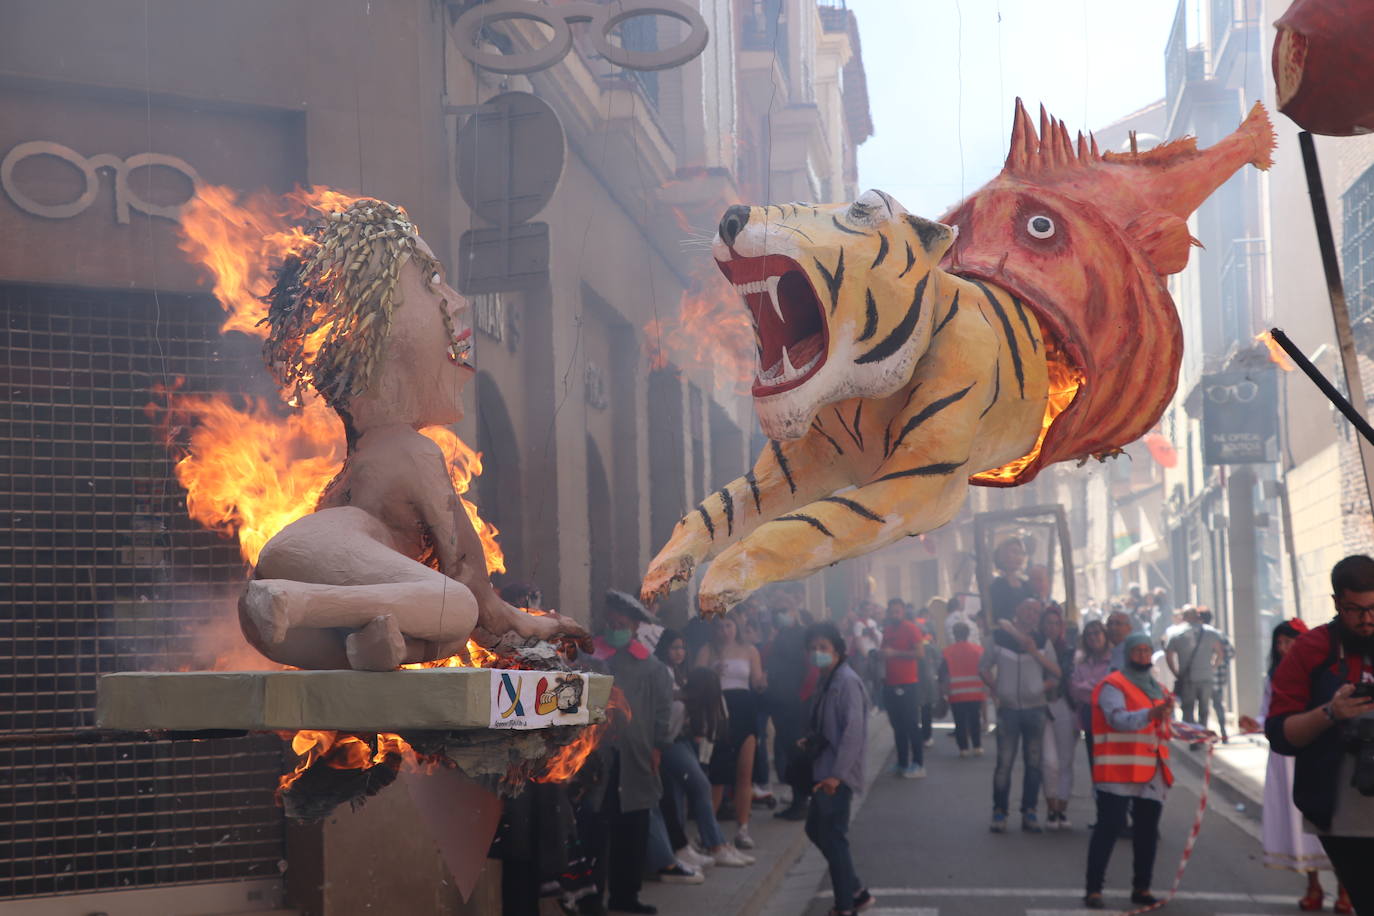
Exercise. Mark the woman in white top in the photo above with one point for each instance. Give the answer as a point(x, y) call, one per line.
point(741, 677)
point(1285, 843)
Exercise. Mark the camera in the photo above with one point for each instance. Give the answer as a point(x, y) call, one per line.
point(1363, 691)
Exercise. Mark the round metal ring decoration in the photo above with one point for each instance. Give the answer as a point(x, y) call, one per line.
point(602, 19)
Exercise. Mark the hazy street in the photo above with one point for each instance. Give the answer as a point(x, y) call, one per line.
point(924, 849)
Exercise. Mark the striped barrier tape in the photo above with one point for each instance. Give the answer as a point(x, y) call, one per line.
point(1187, 731)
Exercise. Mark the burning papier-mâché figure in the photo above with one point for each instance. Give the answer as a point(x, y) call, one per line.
point(388, 569)
point(1047, 333)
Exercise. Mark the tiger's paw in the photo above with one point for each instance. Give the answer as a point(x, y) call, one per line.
point(666, 574)
point(737, 573)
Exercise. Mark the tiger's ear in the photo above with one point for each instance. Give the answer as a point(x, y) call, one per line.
point(934, 237)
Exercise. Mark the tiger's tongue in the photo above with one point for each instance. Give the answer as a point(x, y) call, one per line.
point(802, 352)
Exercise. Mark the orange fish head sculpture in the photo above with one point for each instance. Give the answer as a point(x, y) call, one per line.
point(1085, 240)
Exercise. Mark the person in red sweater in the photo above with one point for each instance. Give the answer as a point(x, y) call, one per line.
point(1322, 714)
point(901, 651)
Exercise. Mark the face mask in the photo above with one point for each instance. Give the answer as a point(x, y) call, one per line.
point(619, 638)
point(822, 659)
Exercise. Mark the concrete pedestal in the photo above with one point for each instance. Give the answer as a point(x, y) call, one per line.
point(430, 699)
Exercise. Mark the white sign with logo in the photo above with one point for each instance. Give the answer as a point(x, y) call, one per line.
point(538, 699)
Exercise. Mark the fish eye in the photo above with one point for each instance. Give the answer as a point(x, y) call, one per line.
point(1040, 227)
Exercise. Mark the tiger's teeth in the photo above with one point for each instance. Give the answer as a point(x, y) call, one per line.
point(789, 372)
point(773, 295)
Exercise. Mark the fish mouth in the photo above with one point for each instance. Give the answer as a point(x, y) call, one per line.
point(790, 332)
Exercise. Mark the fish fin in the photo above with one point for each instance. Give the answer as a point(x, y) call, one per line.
point(1260, 132)
point(1164, 238)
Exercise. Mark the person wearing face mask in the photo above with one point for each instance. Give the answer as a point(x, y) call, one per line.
point(836, 742)
point(1131, 713)
point(633, 786)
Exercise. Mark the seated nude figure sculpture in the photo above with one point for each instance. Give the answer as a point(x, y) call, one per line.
point(388, 569)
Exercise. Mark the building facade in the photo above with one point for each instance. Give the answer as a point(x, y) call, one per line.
point(591, 450)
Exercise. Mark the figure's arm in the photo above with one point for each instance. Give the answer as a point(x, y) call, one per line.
point(459, 550)
point(786, 474)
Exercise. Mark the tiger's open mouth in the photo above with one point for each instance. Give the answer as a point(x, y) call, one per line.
point(789, 327)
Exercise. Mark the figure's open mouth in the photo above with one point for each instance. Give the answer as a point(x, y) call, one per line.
point(789, 326)
point(460, 350)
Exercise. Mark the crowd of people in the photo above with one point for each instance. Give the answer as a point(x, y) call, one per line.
point(692, 754)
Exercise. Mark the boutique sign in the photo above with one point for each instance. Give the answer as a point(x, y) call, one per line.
point(1240, 418)
point(127, 196)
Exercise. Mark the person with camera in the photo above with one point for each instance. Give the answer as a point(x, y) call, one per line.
point(1321, 712)
point(834, 746)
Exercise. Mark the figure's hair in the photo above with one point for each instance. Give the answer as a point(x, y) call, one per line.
point(329, 312)
point(960, 631)
point(1353, 574)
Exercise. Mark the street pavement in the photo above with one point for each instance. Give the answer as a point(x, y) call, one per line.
point(924, 848)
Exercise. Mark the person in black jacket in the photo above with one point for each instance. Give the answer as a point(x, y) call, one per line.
point(1320, 712)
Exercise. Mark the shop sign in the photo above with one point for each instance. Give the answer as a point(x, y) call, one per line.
point(1240, 417)
point(126, 198)
point(537, 699)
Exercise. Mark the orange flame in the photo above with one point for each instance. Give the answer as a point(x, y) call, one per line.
point(569, 759)
point(239, 241)
point(344, 751)
point(1064, 382)
point(712, 332)
point(249, 469)
point(1276, 354)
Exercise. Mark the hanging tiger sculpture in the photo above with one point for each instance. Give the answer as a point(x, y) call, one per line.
point(902, 359)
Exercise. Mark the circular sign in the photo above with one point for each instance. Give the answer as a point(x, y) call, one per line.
point(510, 158)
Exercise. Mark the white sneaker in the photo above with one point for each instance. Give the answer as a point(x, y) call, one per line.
point(689, 856)
point(977, 752)
point(730, 857)
point(678, 873)
point(743, 840)
point(966, 753)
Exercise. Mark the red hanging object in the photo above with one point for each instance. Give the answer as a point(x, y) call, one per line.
point(1161, 450)
point(1324, 66)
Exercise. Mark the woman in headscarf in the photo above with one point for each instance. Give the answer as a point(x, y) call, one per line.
point(1131, 713)
point(1285, 843)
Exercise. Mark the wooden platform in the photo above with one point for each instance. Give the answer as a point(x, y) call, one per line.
point(432, 699)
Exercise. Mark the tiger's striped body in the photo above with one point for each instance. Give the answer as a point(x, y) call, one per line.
point(1050, 336)
point(974, 399)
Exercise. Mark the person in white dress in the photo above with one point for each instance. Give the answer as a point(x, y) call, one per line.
point(1286, 845)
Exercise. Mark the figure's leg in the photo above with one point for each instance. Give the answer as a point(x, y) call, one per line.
point(379, 646)
point(434, 608)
